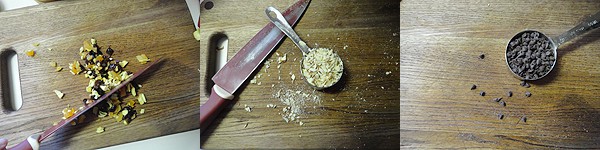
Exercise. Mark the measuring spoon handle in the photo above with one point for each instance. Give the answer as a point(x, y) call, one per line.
point(283, 25)
point(590, 23)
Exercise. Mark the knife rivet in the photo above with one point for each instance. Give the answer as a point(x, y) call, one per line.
point(209, 5)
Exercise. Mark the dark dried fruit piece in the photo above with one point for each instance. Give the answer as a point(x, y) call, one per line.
point(109, 51)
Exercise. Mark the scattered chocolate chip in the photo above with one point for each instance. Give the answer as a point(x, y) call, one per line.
point(497, 99)
point(482, 93)
point(523, 119)
point(502, 103)
point(509, 93)
point(500, 116)
point(481, 56)
point(473, 87)
point(528, 94)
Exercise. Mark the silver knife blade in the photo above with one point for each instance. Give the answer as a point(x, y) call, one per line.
point(245, 61)
point(194, 7)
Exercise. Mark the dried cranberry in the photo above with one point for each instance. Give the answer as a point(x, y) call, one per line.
point(109, 51)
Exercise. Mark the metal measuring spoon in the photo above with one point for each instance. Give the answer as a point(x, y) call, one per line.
point(282, 24)
point(553, 43)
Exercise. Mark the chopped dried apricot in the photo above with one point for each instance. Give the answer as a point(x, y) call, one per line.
point(142, 58)
point(99, 129)
point(30, 53)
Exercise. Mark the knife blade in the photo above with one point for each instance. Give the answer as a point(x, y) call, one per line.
point(239, 68)
point(32, 142)
point(194, 8)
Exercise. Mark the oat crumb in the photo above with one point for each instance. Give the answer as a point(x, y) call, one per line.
point(247, 108)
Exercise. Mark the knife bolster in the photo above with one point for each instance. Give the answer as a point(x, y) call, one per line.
point(222, 93)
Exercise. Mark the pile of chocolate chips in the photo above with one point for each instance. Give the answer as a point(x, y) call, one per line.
point(530, 55)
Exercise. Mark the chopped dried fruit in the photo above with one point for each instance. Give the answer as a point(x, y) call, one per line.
point(59, 94)
point(58, 69)
point(123, 63)
point(30, 53)
point(75, 67)
point(142, 58)
point(131, 103)
point(142, 111)
point(133, 91)
point(87, 45)
point(53, 64)
point(99, 129)
point(68, 112)
point(142, 99)
point(197, 35)
point(106, 73)
point(36, 44)
point(102, 114)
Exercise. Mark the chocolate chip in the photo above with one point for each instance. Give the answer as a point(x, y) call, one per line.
point(509, 93)
point(523, 119)
point(502, 103)
point(497, 99)
point(482, 93)
point(528, 94)
point(481, 56)
point(500, 116)
point(473, 87)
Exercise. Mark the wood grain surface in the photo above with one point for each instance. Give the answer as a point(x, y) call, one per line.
point(360, 112)
point(440, 45)
point(155, 28)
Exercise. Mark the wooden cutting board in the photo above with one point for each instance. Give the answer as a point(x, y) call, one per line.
point(155, 28)
point(360, 112)
point(441, 42)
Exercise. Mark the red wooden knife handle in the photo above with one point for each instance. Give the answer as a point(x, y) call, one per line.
point(214, 105)
point(30, 143)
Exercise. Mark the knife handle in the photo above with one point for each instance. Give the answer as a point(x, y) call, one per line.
point(30, 144)
point(218, 99)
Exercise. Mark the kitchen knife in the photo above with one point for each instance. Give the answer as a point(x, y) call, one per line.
point(194, 7)
point(33, 142)
point(240, 67)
